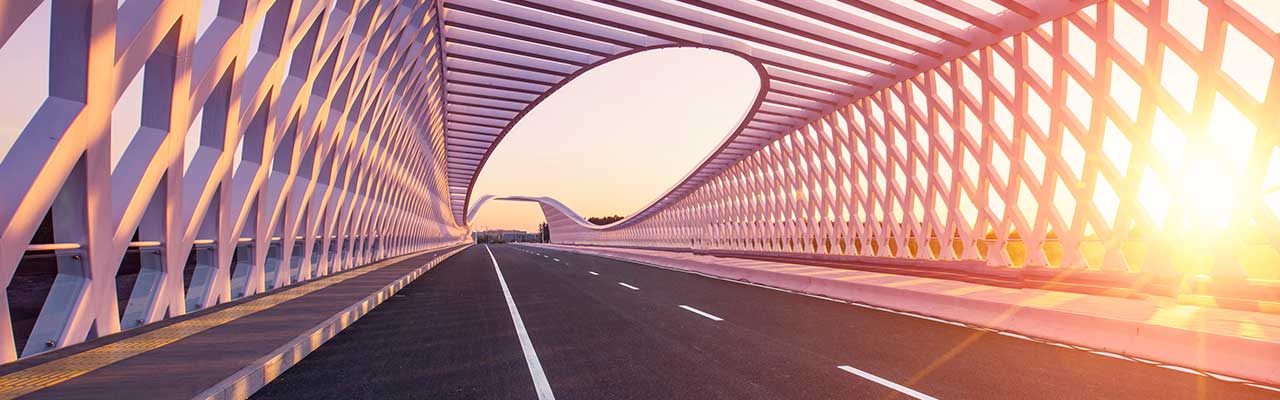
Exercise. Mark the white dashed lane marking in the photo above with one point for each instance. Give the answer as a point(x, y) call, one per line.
point(886, 383)
point(702, 313)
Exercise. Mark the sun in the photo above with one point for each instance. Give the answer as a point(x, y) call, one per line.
point(1206, 168)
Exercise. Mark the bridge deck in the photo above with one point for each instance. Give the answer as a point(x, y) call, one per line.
point(609, 329)
point(185, 357)
point(1156, 328)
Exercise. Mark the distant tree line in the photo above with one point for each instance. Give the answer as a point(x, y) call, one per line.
point(604, 220)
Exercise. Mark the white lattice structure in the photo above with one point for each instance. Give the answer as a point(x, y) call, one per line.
point(503, 58)
point(313, 140)
point(1070, 147)
point(279, 140)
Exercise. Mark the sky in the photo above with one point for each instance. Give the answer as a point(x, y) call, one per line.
point(618, 136)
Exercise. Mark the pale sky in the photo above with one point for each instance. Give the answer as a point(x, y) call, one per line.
point(618, 136)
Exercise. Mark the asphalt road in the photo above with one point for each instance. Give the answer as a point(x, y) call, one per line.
point(602, 328)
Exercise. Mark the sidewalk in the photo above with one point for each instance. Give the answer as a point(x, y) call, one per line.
point(1234, 343)
point(227, 351)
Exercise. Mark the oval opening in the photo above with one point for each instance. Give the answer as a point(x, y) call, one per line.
point(618, 136)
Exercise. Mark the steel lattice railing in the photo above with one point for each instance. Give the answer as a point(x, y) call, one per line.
point(280, 140)
point(1117, 139)
point(288, 140)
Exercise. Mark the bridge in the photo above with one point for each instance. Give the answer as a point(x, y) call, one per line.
point(926, 199)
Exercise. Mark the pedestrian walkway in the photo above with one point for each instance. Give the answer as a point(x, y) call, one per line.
point(224, 352)
point(1233, 343)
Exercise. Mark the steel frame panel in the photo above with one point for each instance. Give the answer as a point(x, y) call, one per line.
point(365, 124)
point(989, 158)
point(832, 59)
point(339, 110)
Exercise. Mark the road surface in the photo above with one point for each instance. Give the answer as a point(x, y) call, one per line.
point(605, 329)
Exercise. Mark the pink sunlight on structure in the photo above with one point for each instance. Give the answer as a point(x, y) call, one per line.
point(618, 136)
point(1144, 146)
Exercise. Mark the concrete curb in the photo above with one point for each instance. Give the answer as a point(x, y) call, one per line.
point(262, 371)
point(1233, 356)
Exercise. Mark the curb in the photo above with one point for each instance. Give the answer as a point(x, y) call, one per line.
point(262, 371)
point(1233, 356)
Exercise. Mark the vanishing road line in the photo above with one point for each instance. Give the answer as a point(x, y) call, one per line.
point(702, 313)
point(902, 389)
point(540, 383)
point(628, 286)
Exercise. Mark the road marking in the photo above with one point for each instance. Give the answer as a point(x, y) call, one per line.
point(901, 389)
point(702, 313)
point(1227, 378)
point(1181, 369)
point(1109, 354)
point(593, 273)
point(540, 383)
point(1263, 387)
point(1013, 335)
point(871, 307)
point(557, 259)
point(628, 286)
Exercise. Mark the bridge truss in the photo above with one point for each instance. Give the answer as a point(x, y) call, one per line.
point(282, 140)
point(1076, 153)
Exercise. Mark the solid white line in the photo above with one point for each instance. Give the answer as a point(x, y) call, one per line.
point(1225, 378)
point(1109, 354)
point(540, 383)
point(1263, 387)
point(593, 273)
point(628, 286)
point(1181, 369)
point(902, 389)
point(702, 313)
